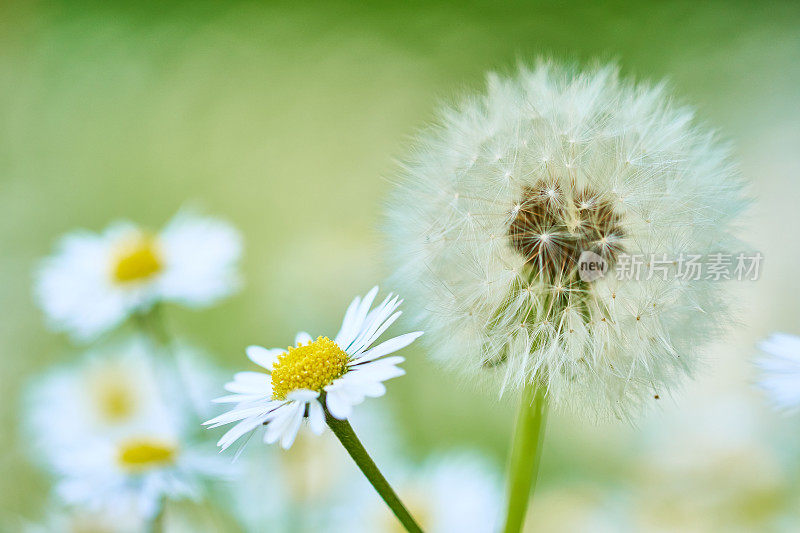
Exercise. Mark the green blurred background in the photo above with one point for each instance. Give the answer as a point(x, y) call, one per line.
point(285, 119)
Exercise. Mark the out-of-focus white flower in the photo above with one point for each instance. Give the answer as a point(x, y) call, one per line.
point(296, 490)
point(780, 370)
point(313, 485)
point(340, 372)
point(111, 389)
point(457, 492)
point(498, 202)
point(141, 469)
point(722, 466)
point(113, 429)
point(94, 281)
point(72, 520)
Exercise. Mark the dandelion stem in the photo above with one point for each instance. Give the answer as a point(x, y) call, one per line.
point(344, 432)
point(526, 452)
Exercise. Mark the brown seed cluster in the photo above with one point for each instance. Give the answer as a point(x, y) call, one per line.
point(552, 227)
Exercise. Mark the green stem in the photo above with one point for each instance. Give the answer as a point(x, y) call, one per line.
point(152, 322)
point(526, 452)
point(156, 524)
point(344, 432)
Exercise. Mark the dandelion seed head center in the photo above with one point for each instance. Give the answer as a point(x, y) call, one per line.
point(139, 454)
point(311, 366)
point(138, 258)
point(582, 219)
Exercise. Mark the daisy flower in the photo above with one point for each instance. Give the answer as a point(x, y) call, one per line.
point(315, 376)
point(112, 429)
point(140, 470)
point(456, 492)
point(95, 281)
point(73, 520)
point(110, 389)
point(501, 199)
point(294, 490)
point(780, 370)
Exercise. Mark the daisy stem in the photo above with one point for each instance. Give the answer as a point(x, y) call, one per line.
point(152, 322)
point(344, 432)
point(526, 452)
point(156, 524)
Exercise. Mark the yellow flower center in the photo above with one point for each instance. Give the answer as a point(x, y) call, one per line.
point(136, 259)
point(141, 454)
point(310, 367)
point(112, 392)
point(115, 402)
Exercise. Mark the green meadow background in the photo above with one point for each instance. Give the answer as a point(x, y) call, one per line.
point(286, 118)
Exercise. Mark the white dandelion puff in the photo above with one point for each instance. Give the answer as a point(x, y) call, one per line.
point(315, 376)
point(498, 201)
point(95, 281)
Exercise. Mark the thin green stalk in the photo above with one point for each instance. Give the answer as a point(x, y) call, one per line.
point(344, 432)
point(156, 524)
point(152, 322)
point(526, 452)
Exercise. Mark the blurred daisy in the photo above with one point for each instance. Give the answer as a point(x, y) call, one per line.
point(315, 376)
point(501, 200)
point(780, 370)
point(112, 430)
point(458, 492)
point(142, 470)
point(296, 490)
point(94, 281)
point(75, 520)
point(312, 486)
point(111, 389)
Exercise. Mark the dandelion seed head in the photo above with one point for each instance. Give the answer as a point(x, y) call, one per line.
point(595, 163)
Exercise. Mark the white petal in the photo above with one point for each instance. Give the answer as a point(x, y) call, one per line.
point(338, 404)
point(389, 346)
point(201, 255)
point(263, 357)
point(379, 370)
point(302, 338)
point(250, 383)
point(237, 431)
point(354, 326)
point(238, 398)
point(279, 420)
point(376, 318)
point(240, 414)
point(290, 433)
point(316, 417)
point(343, 337)
point(302, 395)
